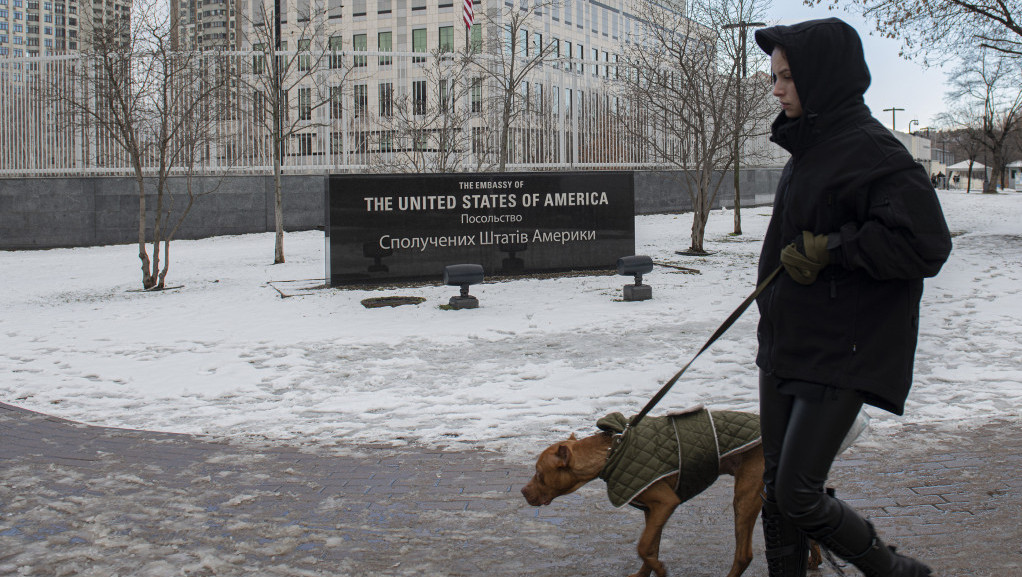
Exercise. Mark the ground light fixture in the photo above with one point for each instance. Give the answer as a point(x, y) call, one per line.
point(636, 265)
point(463, 275)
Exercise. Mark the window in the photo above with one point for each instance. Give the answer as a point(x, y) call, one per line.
point(447, 39)
point(336, 48)
point(336, 143)
point(555, 50)
point(418, 43)
point(386, 99)
point(555, 102)
point(477, 39)
point(304, 104)
point(361, 99)
point(418, 4)
point(596, 60)
point(606, 65)
point(305, 144)
point(419, 97)
point(385, 44)
point(581, 57)
point(383, 7)
point(567, 102)
point(259, 106)
point(478, 140)
point(446, 92)
point(334, 9)
point(476, 95)
point(304, 58)
point(358, 8)
point(258, 59)
point(360, 44)
point(336, 101)
point(387, 141)
point(537, 43)
point(568, 46)
point(523, 43)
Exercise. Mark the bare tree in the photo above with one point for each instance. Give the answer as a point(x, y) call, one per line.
point(990, 105)
point(682, 88)
point(509, 57)
point(425, 126)
point(943, 27)
point(292, 80)
point(751, 114)
point(156, 107)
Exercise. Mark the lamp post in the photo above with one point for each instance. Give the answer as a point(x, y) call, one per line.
point(910, 125)
point(743, 28)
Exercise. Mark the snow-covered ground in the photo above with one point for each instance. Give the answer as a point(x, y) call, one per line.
point(226, 355)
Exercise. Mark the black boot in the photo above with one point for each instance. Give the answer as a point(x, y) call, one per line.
point(855, 540)
point(787, 547)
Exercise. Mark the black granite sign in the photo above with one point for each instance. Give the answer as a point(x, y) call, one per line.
point(397, 227)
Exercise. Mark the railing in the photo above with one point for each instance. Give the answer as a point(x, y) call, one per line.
point(343, 112)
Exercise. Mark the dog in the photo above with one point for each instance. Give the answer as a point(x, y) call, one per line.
point(566, 466)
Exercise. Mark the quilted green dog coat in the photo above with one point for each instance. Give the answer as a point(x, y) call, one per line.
point(690, 443)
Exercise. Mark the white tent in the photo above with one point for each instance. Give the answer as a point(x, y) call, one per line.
point(958, 176)
point(963, 167)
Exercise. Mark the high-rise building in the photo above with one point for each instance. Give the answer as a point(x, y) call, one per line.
point(38, 28)
point(205, 24)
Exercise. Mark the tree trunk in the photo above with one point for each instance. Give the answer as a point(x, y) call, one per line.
point(148, 279)
point(738, 197)
point(278, 215)
point(699, 217)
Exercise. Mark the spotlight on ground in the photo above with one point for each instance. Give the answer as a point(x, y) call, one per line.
point(463, 275)
point(636, 265)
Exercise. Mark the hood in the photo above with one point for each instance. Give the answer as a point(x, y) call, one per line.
point(830, 74)
point(826, 62)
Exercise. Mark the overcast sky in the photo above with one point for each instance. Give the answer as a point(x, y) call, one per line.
point(896, 82)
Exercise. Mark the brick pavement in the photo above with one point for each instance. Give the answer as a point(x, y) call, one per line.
point(83, 500)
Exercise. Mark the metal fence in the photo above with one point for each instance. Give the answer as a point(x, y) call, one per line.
point(341, 112)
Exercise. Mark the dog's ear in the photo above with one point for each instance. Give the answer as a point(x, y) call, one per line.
point(572, 437)
point(563, 455)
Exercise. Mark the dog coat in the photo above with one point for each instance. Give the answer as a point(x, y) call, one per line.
point(690, 443)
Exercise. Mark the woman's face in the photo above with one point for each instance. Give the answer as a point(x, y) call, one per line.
point(784, 85)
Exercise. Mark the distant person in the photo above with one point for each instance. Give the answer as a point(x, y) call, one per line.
point(856, 226)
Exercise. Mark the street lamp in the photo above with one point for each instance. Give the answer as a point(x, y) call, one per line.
point(743, 28)
point(910, 125)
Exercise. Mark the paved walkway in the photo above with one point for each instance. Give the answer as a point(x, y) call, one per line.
point(82, 500)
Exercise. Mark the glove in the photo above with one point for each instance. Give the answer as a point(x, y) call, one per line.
point(806, 257)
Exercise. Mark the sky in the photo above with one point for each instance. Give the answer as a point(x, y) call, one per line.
point(897, 83)
point(539, 359)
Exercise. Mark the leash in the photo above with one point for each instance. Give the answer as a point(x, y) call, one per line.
point(716, 335)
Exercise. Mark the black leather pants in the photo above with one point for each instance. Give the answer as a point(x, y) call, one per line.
point(801, 436)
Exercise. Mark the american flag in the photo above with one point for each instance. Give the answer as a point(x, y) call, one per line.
point(468, 13)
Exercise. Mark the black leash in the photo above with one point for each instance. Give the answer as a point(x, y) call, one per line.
point(716, 335)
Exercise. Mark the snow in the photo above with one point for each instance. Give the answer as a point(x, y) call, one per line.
point(226, 355)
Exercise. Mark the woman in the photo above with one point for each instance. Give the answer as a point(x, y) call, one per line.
point(856, 226)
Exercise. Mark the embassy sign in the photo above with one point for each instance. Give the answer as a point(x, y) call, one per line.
point(409, 227)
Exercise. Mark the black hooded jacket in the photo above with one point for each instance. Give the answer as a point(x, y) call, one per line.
point(848, 177)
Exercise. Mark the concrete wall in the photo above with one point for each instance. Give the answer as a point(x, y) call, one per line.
point(65, 212)
point(38, 213)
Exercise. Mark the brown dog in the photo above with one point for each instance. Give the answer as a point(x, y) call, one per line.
point(565, 466)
